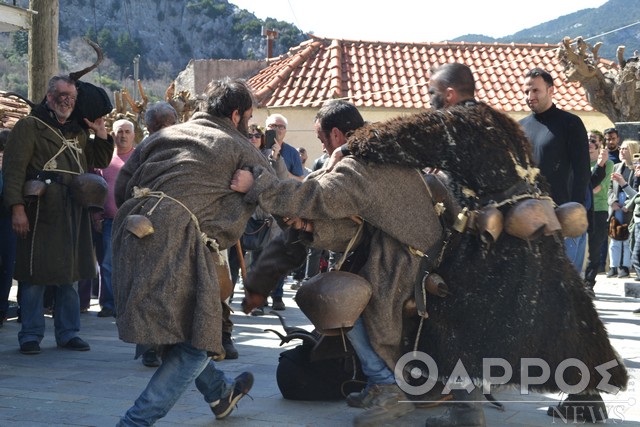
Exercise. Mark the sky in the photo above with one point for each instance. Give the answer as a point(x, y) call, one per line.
point(412, 20)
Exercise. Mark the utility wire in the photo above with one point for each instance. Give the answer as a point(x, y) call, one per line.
point(426, 82)
point(295, 18)
point(613, 31)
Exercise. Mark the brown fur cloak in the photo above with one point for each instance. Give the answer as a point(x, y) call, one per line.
point(512, 299)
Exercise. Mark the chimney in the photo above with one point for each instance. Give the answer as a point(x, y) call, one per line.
point(271, 35)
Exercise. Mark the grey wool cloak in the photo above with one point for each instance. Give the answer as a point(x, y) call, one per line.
point(58, 248)
point(397, 208)
point(165, 284)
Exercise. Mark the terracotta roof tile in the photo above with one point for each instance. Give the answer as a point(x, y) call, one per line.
point(395, 75)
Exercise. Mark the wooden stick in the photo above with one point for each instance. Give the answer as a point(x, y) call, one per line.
point(243, 267)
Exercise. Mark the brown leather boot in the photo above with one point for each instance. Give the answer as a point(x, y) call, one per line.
point(389, 403)
point(464, 411)
point(364, 398)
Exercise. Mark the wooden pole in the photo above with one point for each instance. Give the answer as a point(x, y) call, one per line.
point(43, 47)
point(243, 266)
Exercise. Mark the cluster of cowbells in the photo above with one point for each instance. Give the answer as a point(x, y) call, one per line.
point(333, 301)
point(530, 219)
point(88, 190)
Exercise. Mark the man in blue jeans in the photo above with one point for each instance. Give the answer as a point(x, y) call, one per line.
point(48, 150)
point(175, 216)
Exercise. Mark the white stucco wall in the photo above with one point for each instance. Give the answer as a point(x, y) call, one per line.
point(300, 130)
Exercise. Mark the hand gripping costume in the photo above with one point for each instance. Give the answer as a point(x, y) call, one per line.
point(391, 201)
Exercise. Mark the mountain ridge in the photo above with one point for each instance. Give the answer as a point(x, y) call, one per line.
point(167, 34)
point(587, 23)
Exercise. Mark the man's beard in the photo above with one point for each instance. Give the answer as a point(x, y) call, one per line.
point(437, 103)
point(62, 111)
point(243, 126)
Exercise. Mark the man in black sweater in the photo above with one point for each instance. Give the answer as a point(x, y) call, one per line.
point(560, 149)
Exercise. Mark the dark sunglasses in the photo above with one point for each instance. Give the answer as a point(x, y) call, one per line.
point(255, 135)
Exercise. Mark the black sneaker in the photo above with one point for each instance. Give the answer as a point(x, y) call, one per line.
point(30, 347)
point(623, 272)
point(613, 271)
point(241, 386)
point(257, 311)
point(278, 304)
point(76, 344)
point(150, 359)
point(106, 312)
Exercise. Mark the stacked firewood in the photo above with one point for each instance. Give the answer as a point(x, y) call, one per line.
point(12, 109)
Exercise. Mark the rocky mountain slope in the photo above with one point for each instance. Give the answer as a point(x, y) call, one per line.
point(167, 34)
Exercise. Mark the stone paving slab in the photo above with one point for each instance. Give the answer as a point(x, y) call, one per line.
point(64, 388)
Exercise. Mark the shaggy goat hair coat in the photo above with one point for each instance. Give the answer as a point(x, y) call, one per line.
point(512, 299)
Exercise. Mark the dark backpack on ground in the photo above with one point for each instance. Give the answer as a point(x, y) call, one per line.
point(321, 368)
point(300, 378)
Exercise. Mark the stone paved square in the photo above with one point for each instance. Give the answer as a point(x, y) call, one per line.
point(64, 388)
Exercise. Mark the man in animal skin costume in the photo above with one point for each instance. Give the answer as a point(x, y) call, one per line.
point(507, 297)
point(511, 298)
point(352, 184)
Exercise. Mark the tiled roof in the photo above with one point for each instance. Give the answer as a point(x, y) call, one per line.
point(395, 75)
point(12, 109)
